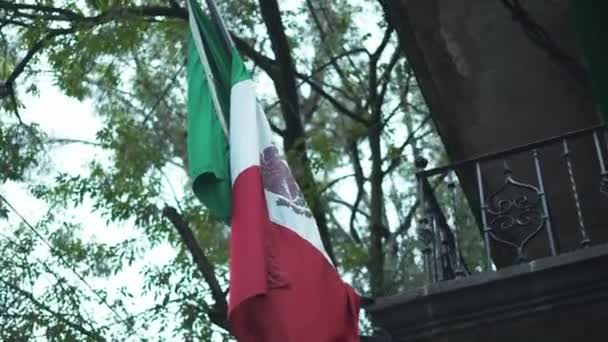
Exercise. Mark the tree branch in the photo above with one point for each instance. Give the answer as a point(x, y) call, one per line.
point(330, 27)
point(61, 317)
point(311, 103)
point(264, 62)
point(393, 112)
point(335, 103)
point(410, 138)
point(386, 75)
point(323, 67)
point(407, 222)
point(285, 78)
point(276, 129)
point(385, 40)
point(317, 21)
point(121, 13)
point(13, 6)
point(323, 32)
point(334, 182)
point(349, 206)
point(204, 265)
point(339, 56)
point(65, 141)
point(359, 180)
point(61, 14)
point(405, 90)
point(7, 87)
point(109, 15)
point(354, 211)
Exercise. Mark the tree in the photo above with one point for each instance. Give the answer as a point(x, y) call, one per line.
point(344, 103)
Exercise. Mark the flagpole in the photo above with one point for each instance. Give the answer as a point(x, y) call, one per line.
point(216, 17)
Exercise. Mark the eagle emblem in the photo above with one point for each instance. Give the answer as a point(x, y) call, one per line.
point(278, 179)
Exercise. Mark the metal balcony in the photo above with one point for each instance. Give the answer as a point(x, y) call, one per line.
point(537, 216)
point(513, 212)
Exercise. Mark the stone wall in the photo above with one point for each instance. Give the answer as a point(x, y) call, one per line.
point(490, 88)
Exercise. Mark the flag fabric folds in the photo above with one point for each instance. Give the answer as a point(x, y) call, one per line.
point(283, 286)
point(209, 83)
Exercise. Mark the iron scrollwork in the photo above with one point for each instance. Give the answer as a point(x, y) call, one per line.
point(515, 214)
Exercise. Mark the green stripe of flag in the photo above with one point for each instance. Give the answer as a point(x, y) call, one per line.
point(208, 150)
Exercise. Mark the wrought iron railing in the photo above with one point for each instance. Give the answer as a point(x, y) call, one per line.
point(507, 210)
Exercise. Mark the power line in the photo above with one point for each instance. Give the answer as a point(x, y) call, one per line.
point(67, 263)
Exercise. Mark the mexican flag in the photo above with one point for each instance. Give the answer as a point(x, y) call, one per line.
point(283, 286)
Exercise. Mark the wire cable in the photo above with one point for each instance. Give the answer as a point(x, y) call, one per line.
point(66, 263)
